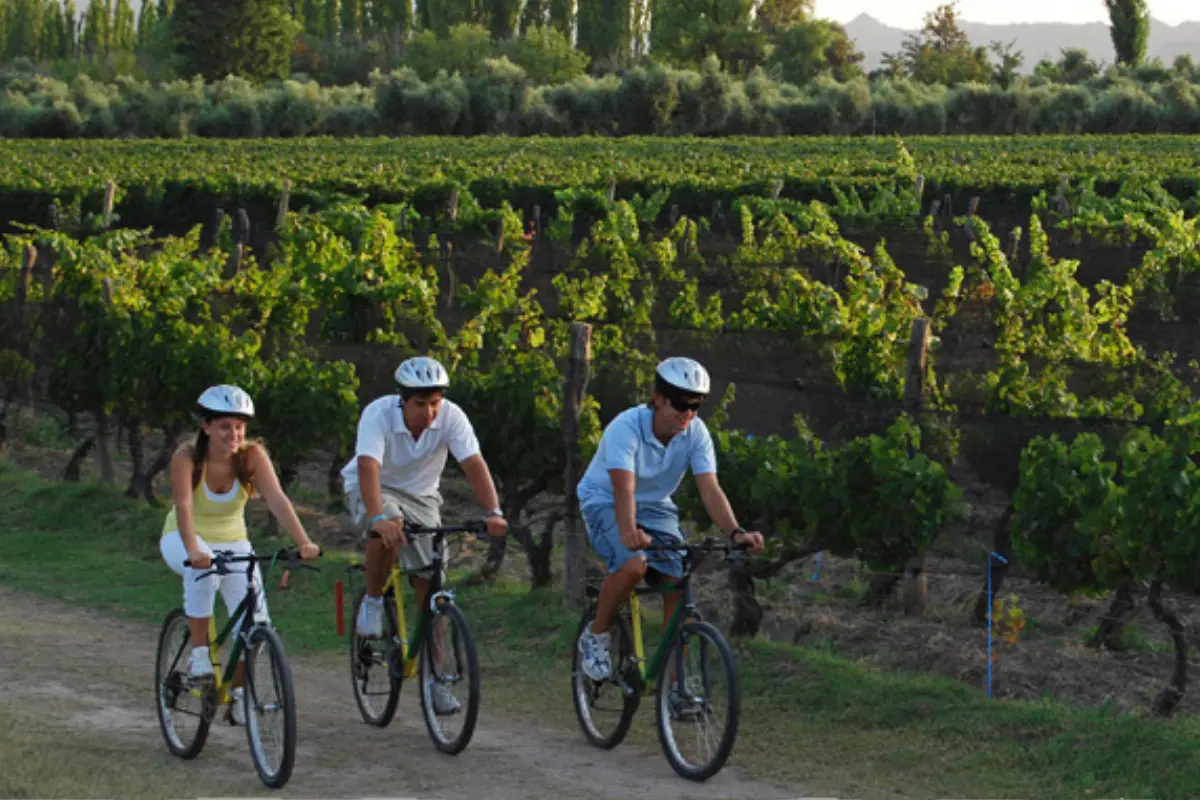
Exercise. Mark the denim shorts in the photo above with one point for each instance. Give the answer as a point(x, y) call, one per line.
point(661, 523)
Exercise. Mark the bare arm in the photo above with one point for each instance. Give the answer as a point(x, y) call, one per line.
point(391, 531)
point(625, 509)
point(368, 486)
point(262, 473)
point(481, 481)
point(180, 472)
point(718, 508)
point(485, 491)
point(715, 502)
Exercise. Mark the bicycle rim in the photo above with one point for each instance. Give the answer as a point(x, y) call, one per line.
point(375, 692)
point(697, 711)
point(603, 709)
point(270, 704)
point(451, 668)
point(184, 712)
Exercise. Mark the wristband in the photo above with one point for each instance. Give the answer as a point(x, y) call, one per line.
point(736, 531)
point(495, 512)
point(375, 519)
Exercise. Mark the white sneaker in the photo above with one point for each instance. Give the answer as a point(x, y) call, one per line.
point(201, 666)
point(444, 702)
point(370, 617)
point(594, 648)
point(237, 711)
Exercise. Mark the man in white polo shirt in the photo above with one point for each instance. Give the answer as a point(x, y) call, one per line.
point(395, 475)
point(625, 495)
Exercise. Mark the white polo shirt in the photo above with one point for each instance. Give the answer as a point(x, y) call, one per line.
point(413, 466)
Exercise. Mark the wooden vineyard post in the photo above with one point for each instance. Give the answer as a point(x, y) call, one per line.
point(110, 196)
point(284, 200)
point(103, 429)
point(574, 389)
point(448, 249)
point(916, 582)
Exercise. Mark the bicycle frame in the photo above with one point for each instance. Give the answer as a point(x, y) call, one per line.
point(409, 656)
point(685, 609)
point(674, 626)
point(241, 621)
point(410, 649)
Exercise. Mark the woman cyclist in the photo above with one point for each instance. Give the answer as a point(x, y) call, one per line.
point(212, 477)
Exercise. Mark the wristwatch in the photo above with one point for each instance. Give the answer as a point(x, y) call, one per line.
point(736, 531)
point(495, 512)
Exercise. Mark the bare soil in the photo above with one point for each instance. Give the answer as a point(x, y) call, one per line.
point(85, 681)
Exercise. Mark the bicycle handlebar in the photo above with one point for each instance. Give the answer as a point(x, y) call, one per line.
point(477, 528)
point(711, 544)
point(288, 556)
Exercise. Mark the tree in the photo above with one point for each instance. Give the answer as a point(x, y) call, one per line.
point(605, 28)
point(804, 52)
point(123, 27)
point(685, 32)
point(1130, 30)
point(772, 16)
point(941, 52)
point(253, 39)
point(1073, 67)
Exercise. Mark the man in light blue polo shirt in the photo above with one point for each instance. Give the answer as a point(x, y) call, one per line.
point(625, 495)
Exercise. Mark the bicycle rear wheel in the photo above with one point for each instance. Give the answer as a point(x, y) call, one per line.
point(270, 705)
point(604, 708)
point(184, 709)
point(694, 692)
point(452, 663)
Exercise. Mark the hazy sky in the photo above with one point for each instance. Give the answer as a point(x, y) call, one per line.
point(910, 13)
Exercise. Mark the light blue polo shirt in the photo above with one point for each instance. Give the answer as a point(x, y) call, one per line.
point(629, 443)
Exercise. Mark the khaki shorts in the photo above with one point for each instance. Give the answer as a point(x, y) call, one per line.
point(426, 511)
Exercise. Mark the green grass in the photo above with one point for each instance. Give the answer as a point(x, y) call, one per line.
point(809, 718)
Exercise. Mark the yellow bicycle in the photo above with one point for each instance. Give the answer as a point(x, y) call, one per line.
point(441, 651)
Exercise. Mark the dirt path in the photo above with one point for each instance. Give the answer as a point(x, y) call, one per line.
point(85, 681)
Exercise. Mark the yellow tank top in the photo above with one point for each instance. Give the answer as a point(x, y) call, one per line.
point(219, 518)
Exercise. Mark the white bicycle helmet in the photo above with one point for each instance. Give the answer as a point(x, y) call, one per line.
point(226, 400)
point(685, 375)
point(422, 372)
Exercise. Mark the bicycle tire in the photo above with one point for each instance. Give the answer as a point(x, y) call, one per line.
point(666, 738)
point(285, 688)
point(581, 684)
point(455, 745)
point(391, 633)
point(174, 742)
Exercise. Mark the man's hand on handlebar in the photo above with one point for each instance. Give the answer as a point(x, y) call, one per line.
point(753, 539)
point(497, 526)
point(391, 531)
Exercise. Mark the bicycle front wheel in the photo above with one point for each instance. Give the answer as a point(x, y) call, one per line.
point(698, 703)
point(449, 667)
point(270, 705)
point(184, 709)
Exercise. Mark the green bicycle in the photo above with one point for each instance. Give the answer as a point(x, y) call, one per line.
point(187, 707)
point(692, 673)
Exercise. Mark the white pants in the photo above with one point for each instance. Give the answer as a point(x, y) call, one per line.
point(200, 596)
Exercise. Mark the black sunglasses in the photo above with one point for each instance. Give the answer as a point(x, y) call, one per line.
point(683, 406)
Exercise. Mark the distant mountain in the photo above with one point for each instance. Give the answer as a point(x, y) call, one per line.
point(1036, 40)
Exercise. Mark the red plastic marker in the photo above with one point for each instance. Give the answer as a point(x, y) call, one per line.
point(287, 573)
point(341, 617)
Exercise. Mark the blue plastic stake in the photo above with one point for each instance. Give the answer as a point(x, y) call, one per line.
point(991, 605)
point(816, 576)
